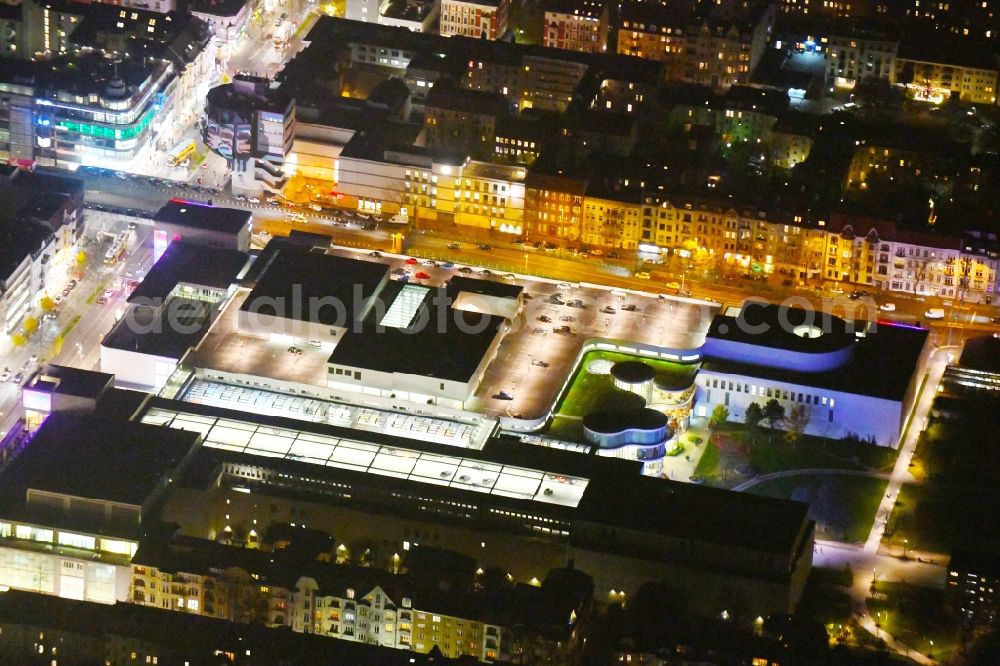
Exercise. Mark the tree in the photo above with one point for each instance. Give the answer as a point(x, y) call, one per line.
point(753, 416)
point(796, 423)
point(47, 304)
point(719, 416)
point(773, 413)
point(30, 325)
point(18, 340)
point(81, 258)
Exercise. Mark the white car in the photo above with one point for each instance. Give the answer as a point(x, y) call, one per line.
point(253, 199)
point(934, 313)
point(887, 307)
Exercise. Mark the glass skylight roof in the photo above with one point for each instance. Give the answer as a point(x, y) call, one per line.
point(412, 426)
point(429, 468)
point(404, 307)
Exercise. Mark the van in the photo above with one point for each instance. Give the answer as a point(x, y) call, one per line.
point(934, 313)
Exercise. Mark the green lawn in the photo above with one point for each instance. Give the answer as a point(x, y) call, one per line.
point(566, 428)
point(843, 506)
point(589, 392)
point(916, 616)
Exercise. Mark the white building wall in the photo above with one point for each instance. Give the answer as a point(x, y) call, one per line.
point(135, 369)
point(833, 414)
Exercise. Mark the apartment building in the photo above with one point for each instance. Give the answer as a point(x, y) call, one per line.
point(553, 206)
point(576, 25)
point(718, 50)
point(935, 73)
point(486, 19)
point(860, 55)
point(463, 121)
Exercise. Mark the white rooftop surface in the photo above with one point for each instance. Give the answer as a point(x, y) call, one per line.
point(272, 403)
point(439, 470)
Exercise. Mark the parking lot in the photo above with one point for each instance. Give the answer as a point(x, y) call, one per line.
point(538, 353)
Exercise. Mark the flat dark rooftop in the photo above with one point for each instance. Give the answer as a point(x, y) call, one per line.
point(457, 284)
point(770, 325)
point(450, 345)
point(981, 353)
point(689, 511)
point(296, 275)
point(217, 7)
point(201, 265)
point(101, 458)
point(202, 216)
point(881, 366)
point(71, 381)
point(168, 331)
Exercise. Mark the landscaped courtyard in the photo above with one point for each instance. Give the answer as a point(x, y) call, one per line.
point(592, 389)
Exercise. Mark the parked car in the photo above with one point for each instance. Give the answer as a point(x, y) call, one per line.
point(253, 199)
point(887, 307)
point(563, 330)
point(509, 276)
point(485, 247)
point(465, 270)
point(934, 313)
point(420, 275)
point(454, 246)
point(411, 261)
point(540, 364)
point(545, 319)
point(629, 307)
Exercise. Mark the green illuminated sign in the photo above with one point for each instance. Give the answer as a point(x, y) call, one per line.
point(105, 132)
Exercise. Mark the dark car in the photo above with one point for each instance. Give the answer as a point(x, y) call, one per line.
point(546, 319)
point(503, 395)
point(486, 247)
point(629, 307)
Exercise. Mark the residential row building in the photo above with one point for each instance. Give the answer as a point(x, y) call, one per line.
point(929, 70)
point(576, 25)
point(486, 19)
point(256, 582)
point(40, 224)
point(719, 50)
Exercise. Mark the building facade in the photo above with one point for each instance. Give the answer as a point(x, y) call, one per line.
point(577, 25)
point(485, 19)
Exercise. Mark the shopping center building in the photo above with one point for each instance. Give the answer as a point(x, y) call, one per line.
point(851, 377)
